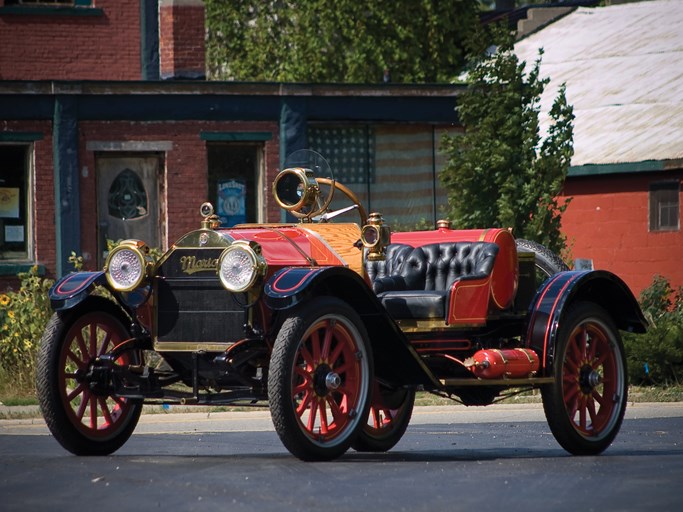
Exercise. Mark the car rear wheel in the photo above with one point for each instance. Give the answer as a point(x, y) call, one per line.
point(85, 420)
point(390, 413)
point(319, 379)
point(585, 405)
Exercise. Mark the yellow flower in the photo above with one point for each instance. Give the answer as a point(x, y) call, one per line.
point(4, 299)
point(10, 314)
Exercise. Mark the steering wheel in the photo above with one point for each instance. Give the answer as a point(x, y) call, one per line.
point(297, 190)
point(350, 195)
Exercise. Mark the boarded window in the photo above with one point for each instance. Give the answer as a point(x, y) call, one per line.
point(665, 205)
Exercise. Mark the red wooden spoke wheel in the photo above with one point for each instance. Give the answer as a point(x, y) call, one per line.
point(319, 379)
point(388, 419)
point(82, 415)
point(586, 405)
point(94, 414)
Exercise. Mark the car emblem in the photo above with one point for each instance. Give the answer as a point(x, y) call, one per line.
point(203, 239)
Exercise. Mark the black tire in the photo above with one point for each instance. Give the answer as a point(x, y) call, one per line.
point(319, 380)
point(585, 405)
point(83, 422)
point(547, 262)
point(388, 419)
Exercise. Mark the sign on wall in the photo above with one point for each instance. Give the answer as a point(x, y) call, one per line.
point(9, 203)
point(232, 195)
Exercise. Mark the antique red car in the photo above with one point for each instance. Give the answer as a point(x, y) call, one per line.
point(335, 326)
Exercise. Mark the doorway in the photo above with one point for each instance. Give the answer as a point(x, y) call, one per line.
point(235, 181)
point(127, 200)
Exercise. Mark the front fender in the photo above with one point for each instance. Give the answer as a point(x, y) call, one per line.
point(289, 285)
point(71, 289)
point(396, 361)
point(560, 290)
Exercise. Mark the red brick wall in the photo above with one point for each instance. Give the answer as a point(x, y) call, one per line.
point(57, 47)
point(185, 170)
point(607, 221)
point(181, 39)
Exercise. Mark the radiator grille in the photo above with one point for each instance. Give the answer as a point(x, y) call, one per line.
point(195, 308)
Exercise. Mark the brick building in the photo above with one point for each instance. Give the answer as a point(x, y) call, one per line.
point(623, 68)
point(108, 131)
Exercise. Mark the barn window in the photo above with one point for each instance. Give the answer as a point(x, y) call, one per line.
point(665, 205)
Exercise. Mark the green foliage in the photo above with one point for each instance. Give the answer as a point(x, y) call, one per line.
point(23, 316)
point(343, 41)
point(657, 356)
point(499, 172)
point(422, 225)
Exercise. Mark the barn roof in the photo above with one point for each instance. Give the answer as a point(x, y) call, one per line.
point(623, 66)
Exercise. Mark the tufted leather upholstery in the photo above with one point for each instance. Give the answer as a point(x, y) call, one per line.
point(395, 254)
point(420, 286)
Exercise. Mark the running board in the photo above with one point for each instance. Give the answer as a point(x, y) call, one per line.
point(459, 383)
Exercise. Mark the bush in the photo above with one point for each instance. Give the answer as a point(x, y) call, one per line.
point(23, 316)
point(656, 358)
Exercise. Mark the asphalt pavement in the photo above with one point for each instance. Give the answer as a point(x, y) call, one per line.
point(178, 419)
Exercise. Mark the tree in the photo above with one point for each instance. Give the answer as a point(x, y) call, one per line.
point(500, 173)
point(346, 41)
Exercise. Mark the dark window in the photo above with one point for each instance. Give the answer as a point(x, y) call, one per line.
point(47, 2)
point(14, 201)
point(665, 205)
point(127, 196)
point(233, 181)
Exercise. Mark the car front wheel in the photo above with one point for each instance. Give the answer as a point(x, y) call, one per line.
point(319, 380)
point(84, 419)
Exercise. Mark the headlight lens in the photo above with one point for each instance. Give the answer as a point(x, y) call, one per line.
point(240, 266)
point(295, 189)
point(126, 265)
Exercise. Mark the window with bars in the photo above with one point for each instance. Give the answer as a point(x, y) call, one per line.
point(665, 205)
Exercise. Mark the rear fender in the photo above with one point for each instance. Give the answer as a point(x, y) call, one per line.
point(562, 289)
point(395, 359)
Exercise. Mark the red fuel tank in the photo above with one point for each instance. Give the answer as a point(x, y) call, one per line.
point(515, 363)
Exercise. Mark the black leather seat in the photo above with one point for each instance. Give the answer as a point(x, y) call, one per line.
point(420, 286)
point(395, 254)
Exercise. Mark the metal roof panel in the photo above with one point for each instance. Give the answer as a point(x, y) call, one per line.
point(623, 66)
